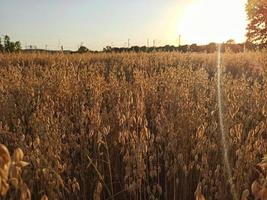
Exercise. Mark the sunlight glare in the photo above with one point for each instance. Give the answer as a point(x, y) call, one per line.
point(213, 21)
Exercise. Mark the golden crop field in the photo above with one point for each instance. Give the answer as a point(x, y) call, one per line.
point(132, 126)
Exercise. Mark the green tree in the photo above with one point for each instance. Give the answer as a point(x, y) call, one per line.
point(1, 46)
point(83, 49)
point(257, 16)
point(17, 46)
point(11, 46)
point(7, 43)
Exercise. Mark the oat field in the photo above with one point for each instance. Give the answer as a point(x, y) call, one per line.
point(137, 126)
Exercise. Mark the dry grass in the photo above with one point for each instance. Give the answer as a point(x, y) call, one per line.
point(132, 126)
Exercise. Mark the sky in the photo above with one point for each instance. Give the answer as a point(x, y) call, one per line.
point(100, 23)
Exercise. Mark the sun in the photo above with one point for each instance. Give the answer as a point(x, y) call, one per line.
point(207, 21)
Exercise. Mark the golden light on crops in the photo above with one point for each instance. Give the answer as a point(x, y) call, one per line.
point(205, 21)
point(149, 121)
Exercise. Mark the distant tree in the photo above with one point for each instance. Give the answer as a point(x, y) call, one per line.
point(11, 46)
point(83, 49)
point(107, 48)
point(194, 47)
point(231, 41)
point(257, 16)
point(135, 48)
point(183, 48)
point(1, 46)
point(17, 46)
point(211, 47)
point(6, 42)
point(143, 48)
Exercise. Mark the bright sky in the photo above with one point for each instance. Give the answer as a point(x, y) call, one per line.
point(98, 23)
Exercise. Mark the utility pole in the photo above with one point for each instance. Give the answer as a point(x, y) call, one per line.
point(154, 43)
point(179, 40)
point(128, 42)
point(147, 42)
point(58, 44)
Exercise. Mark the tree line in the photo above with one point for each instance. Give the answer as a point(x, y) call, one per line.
point(210, 48)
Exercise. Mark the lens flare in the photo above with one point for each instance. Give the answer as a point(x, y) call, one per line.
point(221, 122)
